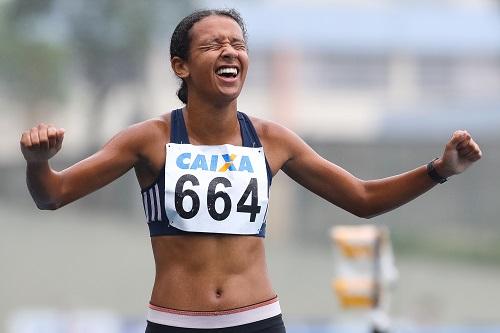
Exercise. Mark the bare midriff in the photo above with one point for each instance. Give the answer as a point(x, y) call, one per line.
point(209, 272)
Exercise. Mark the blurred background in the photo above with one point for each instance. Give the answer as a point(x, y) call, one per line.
point(376, 87)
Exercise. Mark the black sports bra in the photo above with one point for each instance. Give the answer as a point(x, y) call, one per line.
point(153, 195)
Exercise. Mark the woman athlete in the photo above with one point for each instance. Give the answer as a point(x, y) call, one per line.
point(205, 183)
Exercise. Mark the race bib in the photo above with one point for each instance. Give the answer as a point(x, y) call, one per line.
point(216, 189)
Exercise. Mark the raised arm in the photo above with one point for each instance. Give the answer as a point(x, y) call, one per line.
point(51, 189)
point(373, 197)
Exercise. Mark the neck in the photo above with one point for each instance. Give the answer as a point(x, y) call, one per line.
point(212, 124)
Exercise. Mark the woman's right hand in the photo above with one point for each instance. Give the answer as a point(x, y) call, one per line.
point(42, 142)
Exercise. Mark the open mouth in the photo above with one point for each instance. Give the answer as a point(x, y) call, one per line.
point(227, 71)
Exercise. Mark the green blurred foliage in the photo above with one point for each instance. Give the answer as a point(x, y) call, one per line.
point(112, 39)
point(31, 71)
point(23, 8)
point(48, 46)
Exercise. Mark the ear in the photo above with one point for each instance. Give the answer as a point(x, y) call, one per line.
point(179, 67)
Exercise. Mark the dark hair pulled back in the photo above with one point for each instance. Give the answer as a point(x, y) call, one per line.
point(181, 41)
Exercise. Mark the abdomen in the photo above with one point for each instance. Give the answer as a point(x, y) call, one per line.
point(209, 272)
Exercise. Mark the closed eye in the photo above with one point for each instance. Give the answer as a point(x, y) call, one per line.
point(211, 47)
point(239, 46)
point(214, 46)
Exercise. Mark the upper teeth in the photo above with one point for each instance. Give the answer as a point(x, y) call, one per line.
point(228, 70)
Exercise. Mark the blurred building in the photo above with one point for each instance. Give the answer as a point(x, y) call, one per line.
point(363, 70)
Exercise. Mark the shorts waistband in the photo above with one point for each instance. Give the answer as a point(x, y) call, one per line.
point(214, 319)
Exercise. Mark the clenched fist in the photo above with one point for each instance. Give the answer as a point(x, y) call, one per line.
point(42, 142)
point(459, 153)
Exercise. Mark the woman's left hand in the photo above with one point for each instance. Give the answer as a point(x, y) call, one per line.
point(459, 153)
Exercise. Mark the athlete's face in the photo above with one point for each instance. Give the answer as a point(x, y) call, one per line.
point(218, 59)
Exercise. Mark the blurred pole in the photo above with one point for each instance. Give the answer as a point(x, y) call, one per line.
point(364, 270)
point(284, 66)
point(379, 316)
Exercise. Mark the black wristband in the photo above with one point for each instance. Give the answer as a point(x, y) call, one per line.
point(431, 171)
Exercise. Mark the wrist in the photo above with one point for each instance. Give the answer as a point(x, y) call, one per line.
point(37, 165)
point(436, 171)
point(441, 169)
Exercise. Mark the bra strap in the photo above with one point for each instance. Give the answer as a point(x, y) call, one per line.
point(248, 133)
point(178, 131)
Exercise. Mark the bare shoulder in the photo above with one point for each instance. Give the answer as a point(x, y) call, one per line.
point(270, 130)
point(148, 140)
point(279, 142)
point(155, 128)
